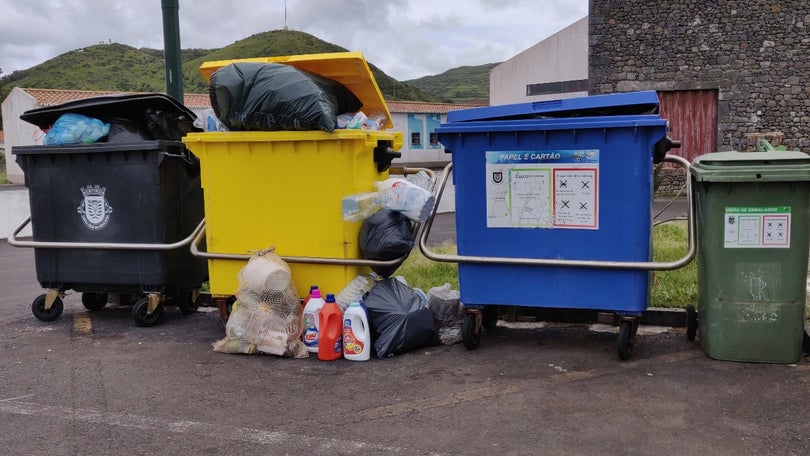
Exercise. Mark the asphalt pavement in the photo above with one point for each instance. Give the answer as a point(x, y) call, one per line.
point(94, 383)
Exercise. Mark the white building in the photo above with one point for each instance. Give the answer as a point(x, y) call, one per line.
point(554, 68)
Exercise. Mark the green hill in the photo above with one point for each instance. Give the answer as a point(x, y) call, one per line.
point(290, 42)
point(120, 67)
point(458, 85)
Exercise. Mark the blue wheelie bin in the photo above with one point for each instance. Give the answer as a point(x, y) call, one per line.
point(554, 206)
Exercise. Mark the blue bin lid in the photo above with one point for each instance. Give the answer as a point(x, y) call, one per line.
point(631, 103)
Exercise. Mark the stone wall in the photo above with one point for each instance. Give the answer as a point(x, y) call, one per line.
point(756, 53)
point(669, 181)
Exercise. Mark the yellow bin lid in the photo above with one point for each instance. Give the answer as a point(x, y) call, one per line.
point(347, 68)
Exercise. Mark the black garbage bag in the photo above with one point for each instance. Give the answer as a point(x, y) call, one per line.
point(399, 318)
point(384, 236)
point(274, 96)
point(132, 117)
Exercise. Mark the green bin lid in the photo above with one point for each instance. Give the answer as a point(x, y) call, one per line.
point(733, 166)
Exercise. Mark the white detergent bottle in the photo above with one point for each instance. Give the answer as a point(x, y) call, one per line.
point(310, 320)
point(356, 333)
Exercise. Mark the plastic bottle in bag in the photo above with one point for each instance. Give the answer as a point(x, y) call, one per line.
point(357, 121)
point(360, 206)
point(421, 179)
point(355, 290)
point(413, 201)
point(374, 121)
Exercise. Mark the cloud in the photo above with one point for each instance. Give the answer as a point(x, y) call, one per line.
point(405, 38)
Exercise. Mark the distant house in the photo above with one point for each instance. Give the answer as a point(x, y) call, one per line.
point(416, 120)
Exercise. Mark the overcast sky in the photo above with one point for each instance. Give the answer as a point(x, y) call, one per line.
point(407, 39)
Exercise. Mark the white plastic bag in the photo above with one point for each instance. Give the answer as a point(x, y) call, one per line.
point(413, 201)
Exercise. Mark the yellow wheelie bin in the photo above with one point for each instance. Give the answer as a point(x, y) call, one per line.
point(284, 188)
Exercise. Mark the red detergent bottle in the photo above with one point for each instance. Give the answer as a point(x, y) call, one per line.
point(330, 329)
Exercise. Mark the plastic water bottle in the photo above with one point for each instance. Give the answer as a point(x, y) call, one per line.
point(330, 340)
point(400, 195)
point(355, 290)
point(357, 121)
point(311, 320)
point(360, 206)
point(374, 121)
point(356, 333)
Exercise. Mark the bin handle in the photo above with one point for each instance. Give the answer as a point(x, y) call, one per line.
point(598, 264)
point(13, 241)
point(195, 243)
point(195, 250)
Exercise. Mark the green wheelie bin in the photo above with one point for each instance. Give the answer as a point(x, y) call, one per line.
point(753, 213)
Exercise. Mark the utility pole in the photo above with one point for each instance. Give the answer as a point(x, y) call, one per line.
point(171, 49)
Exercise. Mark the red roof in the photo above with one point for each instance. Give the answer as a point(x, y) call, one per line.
point(53, 97)
point(421, 107)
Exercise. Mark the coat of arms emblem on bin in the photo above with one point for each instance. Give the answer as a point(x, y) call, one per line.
point(94, 209)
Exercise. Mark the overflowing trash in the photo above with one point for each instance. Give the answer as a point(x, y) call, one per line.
point(257, 96)
point(75, 129)
point(385, 236)
point(413, 198)
point(400, 319)
point(129, 118)
point(267, 315)
point(360, 121)
point(448, 313)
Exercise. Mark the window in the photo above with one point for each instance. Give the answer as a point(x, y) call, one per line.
point(547, 88)
point(433, 122)
point(416, 128)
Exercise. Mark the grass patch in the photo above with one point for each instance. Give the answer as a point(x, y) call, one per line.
point(425, 274)
point(672, 288)
point(669, 288)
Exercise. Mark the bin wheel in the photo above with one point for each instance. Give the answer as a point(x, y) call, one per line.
point(806, 343)
point(691, 322)
point(39, 311)
point(625, 341)
point(489, 318)
point(140, 315)
point(186, 303)
point(471, 330)
point(94, 301)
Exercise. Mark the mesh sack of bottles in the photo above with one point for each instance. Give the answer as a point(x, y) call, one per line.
point(266, 317)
